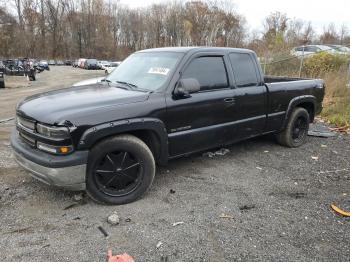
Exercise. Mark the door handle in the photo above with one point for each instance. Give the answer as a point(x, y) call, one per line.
point(229, 100)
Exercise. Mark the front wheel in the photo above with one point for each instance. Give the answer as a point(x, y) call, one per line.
point(120, 170)
point(297, 128)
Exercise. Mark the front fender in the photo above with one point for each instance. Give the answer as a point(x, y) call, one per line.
point(96, 133)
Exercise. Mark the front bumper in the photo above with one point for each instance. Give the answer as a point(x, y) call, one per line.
point(62, 171)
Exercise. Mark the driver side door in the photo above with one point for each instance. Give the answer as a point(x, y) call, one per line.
point(199, 121)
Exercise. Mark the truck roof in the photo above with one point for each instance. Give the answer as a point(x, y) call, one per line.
point(187, 49)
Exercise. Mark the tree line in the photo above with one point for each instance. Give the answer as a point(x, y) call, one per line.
point(107, 29)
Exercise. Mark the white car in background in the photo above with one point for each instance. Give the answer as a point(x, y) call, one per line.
point(343, 50)
point(309, 50)
point(113, 65)
point(103, 64)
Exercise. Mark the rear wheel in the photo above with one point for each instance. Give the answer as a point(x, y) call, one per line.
point(120, 170)
point(297, 128)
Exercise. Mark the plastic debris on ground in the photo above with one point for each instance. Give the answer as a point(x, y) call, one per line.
point(119, 258)
point(220, 152)
point(340, 211)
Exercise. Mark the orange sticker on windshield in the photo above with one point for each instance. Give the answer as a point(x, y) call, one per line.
point(159, 70)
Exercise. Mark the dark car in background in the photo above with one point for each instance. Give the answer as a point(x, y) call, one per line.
point(91, 64)
point(68, 62)
point(44, 64)
point(2, 80)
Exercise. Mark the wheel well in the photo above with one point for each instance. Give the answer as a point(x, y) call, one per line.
point(310, 109)
point(149, 137)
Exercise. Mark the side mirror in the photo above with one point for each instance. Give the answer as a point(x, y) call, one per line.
point(187, 86)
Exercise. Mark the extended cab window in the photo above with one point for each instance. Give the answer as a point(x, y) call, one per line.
point(210, 72)
point(244, 70)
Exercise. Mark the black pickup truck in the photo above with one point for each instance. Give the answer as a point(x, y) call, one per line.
point(159, 104)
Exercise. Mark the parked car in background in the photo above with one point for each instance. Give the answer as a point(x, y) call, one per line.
point(44, 64)
point(68, 62)
point(81, 62)
point(52, 62)
point(308, 50)
point(113, 65)
point(91, 64)
point(2, 80)
point(59, 63)
point(75, 63)
point(341, 49)
point(102, 64)
point(20, 67)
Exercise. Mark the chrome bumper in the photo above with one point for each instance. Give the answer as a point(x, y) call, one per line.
point(71, 177)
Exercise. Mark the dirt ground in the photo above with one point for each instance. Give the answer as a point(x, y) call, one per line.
point(259, 202)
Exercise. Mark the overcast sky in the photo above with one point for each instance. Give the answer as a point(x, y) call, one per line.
point(320, 13)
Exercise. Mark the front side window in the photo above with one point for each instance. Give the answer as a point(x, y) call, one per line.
point(244, 70)
point(209, 71)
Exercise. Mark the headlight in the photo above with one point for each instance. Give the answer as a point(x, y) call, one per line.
point(52, 132)
point(60, 150)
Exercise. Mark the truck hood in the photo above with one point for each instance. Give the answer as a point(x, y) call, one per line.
point(56, 107)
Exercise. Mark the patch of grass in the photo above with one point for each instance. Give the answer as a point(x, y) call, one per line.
point(337, 99)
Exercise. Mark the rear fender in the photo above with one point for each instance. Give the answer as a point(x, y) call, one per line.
point(294, 103)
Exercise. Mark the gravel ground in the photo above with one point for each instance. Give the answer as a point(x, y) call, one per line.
point(275, 202)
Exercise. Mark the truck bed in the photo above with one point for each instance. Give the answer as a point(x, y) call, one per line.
point(273, 79)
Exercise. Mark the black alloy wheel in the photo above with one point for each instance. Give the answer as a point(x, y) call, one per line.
point(118, 173)
point(120, 170)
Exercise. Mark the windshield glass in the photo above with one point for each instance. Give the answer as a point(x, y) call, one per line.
point(146, 70)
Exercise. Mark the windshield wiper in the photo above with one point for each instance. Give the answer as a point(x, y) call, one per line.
point(133, 86)
point(109, 82)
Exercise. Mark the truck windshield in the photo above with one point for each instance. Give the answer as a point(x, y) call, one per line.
point(147, 71)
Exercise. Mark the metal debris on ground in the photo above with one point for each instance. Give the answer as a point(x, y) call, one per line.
point(128, 220)
point(70, 206)
point(103, 231)
point(113, 219)
point(220, 152)
point(178, 223)
point(159, 244)
point(247, 207)
point(320, 130)
point(259, 168)
point(226, 216)
point(208, 154)
point(172, 191)
point(119, 258)
point(78, 197)
point(6, 120)
point(340, 211)
point(314, 157)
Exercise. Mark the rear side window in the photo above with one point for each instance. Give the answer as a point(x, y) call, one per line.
point(210, 72)
point(244, 70)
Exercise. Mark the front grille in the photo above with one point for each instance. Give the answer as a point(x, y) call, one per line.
point(26, 126)
point(27, 139)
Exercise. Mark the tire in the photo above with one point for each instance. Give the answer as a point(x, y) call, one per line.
point(295, 133)
point(115, 162)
